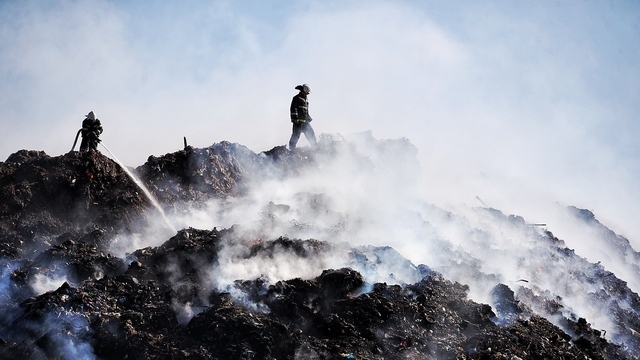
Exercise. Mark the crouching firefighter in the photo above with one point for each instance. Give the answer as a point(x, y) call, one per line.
point(300, 117)
point(91, 130)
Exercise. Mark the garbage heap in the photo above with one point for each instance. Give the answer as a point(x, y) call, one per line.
point(58, 216)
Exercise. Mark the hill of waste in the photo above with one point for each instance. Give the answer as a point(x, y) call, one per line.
point(62, 217)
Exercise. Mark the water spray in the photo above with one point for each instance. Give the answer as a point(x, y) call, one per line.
point(144, 189)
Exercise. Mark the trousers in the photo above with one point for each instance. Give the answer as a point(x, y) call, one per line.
point(302, 128)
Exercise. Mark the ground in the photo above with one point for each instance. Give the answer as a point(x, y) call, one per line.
point(59, 215)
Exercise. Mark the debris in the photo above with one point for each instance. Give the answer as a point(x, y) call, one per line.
point(58, 216)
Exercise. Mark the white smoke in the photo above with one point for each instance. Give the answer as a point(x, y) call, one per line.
point(363, 201)
point(43, 283)
point(360, 197)
point(463, 93)
point(515, 109)
point(529, 100)
point(67, 331)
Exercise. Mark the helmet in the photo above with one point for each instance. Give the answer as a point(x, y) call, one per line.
point(305, 88)
point(91, 116)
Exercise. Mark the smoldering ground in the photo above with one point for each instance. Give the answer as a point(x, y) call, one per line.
point(266, 219)
point(359, 193)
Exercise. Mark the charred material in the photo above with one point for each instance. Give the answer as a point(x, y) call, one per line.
point(43, 197)
point(59, 215)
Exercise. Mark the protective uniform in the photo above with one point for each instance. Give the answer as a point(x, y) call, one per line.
point(91, 130)
point(300, 117)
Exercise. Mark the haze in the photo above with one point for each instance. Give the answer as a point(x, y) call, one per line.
point(519, 104)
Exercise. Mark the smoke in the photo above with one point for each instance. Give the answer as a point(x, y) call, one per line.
point(522, 107)
point(598, 244)
point(65, 334)
point(6, 285)
point(43, 283)
point(153, 232)
point(528, 101)
point(360, 196)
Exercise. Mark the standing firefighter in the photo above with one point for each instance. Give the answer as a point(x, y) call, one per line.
point(91, 130)
point(300, 117)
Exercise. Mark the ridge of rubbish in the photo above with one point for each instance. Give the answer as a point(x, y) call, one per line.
point(66, 294)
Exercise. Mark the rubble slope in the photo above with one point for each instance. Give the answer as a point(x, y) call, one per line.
point(58, 216)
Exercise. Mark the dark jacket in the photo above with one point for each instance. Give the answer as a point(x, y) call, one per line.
point(91, 128)
point(300, 108)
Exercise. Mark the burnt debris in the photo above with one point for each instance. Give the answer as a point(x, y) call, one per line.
point(59, 215)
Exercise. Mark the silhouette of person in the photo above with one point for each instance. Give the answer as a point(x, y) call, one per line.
point(300, 117)
point(91, 130)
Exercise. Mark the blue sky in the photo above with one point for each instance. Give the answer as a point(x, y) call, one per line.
point(515, 102)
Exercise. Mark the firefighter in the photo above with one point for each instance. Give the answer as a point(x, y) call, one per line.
point(300, 117)
point(91, 130)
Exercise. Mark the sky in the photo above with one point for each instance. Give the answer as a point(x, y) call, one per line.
point(512, 104)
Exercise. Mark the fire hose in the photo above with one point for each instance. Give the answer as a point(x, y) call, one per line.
point(76, 140)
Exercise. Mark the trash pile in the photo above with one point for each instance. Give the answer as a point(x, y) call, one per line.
point(44, 200)
point(58, 216)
